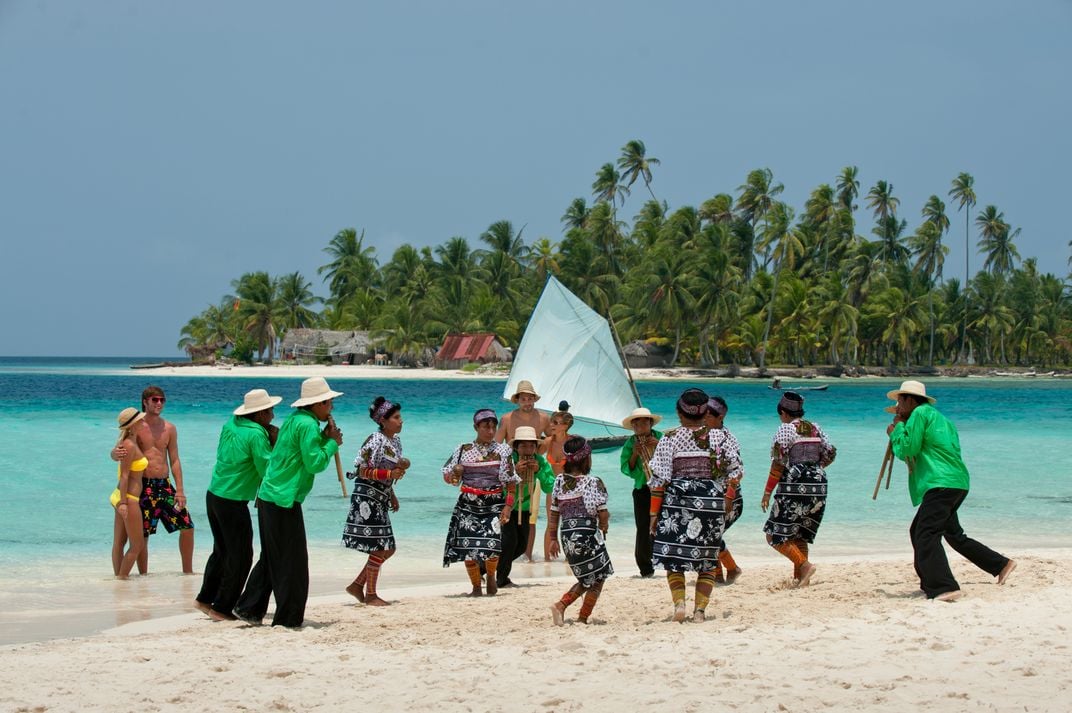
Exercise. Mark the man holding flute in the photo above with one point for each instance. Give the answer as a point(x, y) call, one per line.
point(636, 453)
point(938, 484)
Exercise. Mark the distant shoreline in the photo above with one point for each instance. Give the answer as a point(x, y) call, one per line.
point(793, 374)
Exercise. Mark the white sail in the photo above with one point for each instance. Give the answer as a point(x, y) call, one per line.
point(568, 353)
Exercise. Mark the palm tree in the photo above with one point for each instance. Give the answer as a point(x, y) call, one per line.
point(545, 258)
point(608, 186)
point(996, 241)
point(501, 237)
point(667, 289)
point(848, 187)
point(963, 192)
point(353, 266)
point(636, 164)
point(576, 215)
point(757, 196)
point(294, 297)
point(883, 204)
point(927, 246)
point(256, 300)
point(719, 209)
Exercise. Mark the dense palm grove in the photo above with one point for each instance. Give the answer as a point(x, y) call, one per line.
point(743, 278)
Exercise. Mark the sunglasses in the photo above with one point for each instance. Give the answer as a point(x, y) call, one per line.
point(157, 399)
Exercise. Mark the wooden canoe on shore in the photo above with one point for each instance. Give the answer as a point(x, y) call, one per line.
point(821, 387)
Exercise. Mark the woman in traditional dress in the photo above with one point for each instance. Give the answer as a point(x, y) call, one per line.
point(379, 463)
point(690, 474)
point(715, 420)
point(579, 502)
point(483, 469)
point(561, 422)
point(799, 454)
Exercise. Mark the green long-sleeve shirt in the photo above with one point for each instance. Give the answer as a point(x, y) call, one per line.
point(300, 452)
point(640, 478)
point(929, 441)
point(241, 459)
point(544, 476)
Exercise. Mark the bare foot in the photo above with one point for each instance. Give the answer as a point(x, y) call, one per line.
point(1006, 571)
point(806, 571)
point(679, 612)
point(221, 616)
point(357, 591)
point(556, 613)
point(950, 596)
point(492, 587)
point(375, 601)
point(582, 620)
point(477, 592)
point(698, 617)
point(719, 577)
point(732, 575)
point(203, 608)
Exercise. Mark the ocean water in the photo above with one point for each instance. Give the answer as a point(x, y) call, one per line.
point(57, 425)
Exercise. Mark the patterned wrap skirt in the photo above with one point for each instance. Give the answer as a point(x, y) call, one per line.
point(368, 526)
point(735, 510)
point(688, 532)
point(798, 505)
point(475, 532)
point(585, 550)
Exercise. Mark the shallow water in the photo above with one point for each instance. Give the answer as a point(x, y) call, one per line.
point(57, 421)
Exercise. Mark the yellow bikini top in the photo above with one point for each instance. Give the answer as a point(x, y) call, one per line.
point(136, 466)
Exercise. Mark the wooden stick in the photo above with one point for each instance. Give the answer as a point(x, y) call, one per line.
point(889, 473)
point(338, 462)
point(886, 460)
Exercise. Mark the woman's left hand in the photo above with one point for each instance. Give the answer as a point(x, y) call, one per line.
point(505, 516)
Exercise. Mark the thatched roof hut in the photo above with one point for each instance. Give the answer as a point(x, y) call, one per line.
point(350, 346)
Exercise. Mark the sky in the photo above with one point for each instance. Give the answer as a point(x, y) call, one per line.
point(152, 152)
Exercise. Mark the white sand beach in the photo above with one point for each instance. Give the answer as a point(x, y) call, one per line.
point(861, 637)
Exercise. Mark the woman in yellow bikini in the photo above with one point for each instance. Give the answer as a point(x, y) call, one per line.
point(125, 498)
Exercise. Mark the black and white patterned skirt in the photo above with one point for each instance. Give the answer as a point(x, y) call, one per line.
point(475, 532)
point(688, 531)
point(585, 550)
point(798, 505)
point(368, 526)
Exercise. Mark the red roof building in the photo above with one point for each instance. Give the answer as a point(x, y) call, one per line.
point(461, 349)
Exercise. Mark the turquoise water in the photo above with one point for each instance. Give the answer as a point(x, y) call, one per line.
point(57, 425)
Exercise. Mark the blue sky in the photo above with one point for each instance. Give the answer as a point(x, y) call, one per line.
point(150, 153)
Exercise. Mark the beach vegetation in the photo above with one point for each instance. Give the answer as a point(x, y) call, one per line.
point(851, 278)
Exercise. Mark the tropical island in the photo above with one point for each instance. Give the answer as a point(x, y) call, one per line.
point(742, 280)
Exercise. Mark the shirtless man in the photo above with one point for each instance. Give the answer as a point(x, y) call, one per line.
point(159, 500)
point(524, 415)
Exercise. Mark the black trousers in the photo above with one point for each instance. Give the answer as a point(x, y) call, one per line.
point(937, 518)
point(282, 570)
point(515, 538)
point(642, 515)
point(232, 552)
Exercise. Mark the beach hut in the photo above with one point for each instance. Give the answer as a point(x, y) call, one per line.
point(350, 346)
point(479, 348)
point(643, 355)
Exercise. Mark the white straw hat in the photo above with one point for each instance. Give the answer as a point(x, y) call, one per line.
point(256, 400)
point(524, 387)
point(128, 417)
point(911, 388)
point(315, 390)
point(525, 433)
point(641, 412)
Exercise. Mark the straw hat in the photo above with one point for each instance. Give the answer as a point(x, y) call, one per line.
point(256, 400)
point(911, 388)
point(525, 433)
point(641, 412)
point(315, 390)
point(128, 417)
point(524, 387)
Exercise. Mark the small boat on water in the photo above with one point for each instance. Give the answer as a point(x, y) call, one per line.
point(569, 353)
point(821, 387)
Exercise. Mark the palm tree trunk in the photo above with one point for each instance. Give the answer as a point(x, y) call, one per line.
point(930, 352)
point(770, 317)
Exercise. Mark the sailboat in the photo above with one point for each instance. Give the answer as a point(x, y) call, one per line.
point(569, 353)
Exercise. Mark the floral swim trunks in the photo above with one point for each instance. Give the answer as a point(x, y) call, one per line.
point(158, 506)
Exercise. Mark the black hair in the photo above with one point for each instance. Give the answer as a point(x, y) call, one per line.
point(563, 405)
point(572, 445)
point(390, 412)
point(692, 404)
point(721, 402)
point(795, 398)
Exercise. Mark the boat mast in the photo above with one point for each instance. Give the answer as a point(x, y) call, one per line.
point(625, 362)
